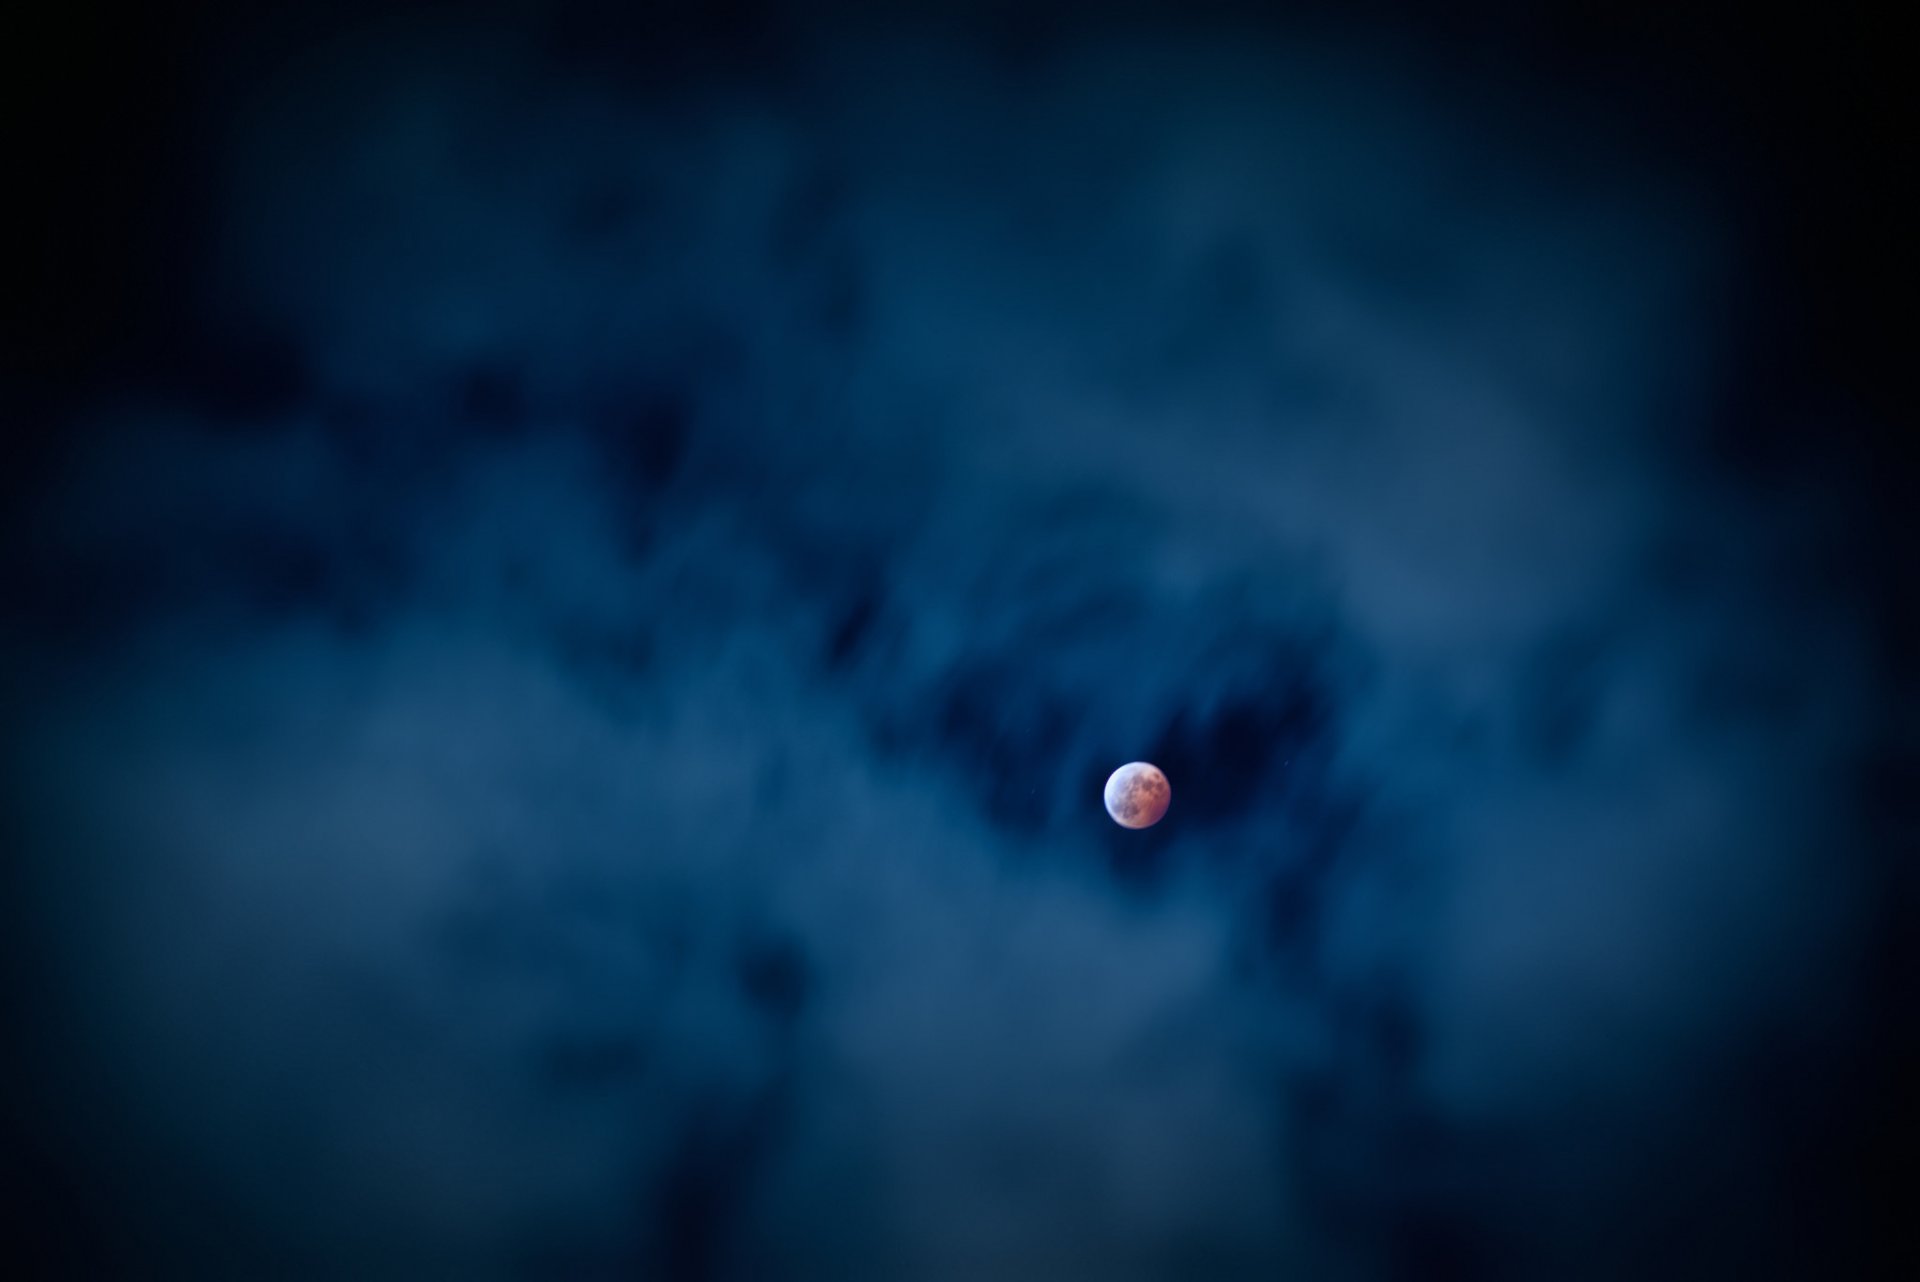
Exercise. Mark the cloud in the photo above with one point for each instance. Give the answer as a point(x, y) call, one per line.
point(595, 769)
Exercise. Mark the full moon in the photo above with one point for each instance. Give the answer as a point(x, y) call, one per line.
point(1137, 795)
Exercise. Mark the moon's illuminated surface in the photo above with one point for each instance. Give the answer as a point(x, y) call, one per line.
point(1137, 795)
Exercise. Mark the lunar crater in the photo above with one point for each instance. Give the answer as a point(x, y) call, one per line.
point(1137, 795)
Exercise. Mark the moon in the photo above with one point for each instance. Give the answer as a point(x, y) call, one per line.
point(1137, 795)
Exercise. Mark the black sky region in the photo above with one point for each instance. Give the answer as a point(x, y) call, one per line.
point(572, 575)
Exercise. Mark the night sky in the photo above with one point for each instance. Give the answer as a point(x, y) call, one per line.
point(571, 575)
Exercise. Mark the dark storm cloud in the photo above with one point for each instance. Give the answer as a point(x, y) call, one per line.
point(571, 743)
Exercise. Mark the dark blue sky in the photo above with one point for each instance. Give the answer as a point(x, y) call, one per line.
point(572, 578)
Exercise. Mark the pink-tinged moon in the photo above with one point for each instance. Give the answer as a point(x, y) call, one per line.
point(1137, 795)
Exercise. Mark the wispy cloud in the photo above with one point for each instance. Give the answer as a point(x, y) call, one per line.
point(596, 767)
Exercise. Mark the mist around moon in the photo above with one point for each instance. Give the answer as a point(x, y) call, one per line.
point(1137, 795)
